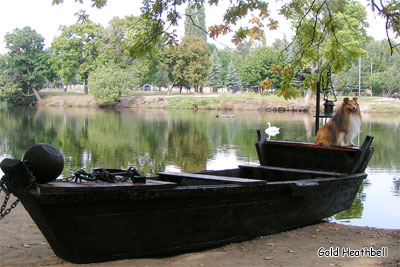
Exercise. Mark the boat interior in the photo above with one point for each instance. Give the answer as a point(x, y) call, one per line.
point(244, 174)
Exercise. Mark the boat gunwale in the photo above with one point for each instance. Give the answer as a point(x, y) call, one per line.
point(193, 190)
point(311, 145)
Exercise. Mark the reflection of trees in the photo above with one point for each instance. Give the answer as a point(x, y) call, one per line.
point(386, 143)
point(152, 139)
point(356, 209)
point(22, 128)
point(396, 186)
point(188, 146)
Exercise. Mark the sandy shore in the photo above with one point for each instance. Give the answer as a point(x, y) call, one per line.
point(22, 244)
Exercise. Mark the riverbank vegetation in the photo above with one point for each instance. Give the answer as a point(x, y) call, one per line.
point(223, 102)
point(330, 48)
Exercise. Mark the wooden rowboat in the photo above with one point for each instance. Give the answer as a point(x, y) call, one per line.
point(94, 221)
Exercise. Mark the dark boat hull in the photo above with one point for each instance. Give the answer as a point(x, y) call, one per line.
point(111, 225)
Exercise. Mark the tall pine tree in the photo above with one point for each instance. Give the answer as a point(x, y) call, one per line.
point(195, 21)
point(232, 80)
point(214, 76)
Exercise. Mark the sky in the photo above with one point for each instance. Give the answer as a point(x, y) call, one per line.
point(46, 18)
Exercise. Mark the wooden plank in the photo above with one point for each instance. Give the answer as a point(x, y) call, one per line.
point(222, 179)
point(364, 156)
point(291, 170)
point(59, 187)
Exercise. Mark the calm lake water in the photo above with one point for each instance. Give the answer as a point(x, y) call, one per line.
point(189, 141)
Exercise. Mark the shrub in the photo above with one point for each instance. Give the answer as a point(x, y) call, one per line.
point(109, 82)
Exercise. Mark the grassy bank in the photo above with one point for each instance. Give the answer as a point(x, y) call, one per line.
point(245, 101)
point(234, 102)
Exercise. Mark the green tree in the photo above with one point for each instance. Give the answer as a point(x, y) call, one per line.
point(352, 79)
point(380, 69)
point(109, 82)
point(244, 49)
point(76, 50)
point(195, 20)
point(7, 86)
point(119, 39)
point(327, 32)
point(232, 80)
point(135, 34)
point(281, 44)
point(192, 62)
point(385, 82)
point(167, 64)
point(328, 42)
point(112, 48)
point(25, 67)
point(160, 78)
point(165, 13)
point(214, 76)
point(225, 58)
point(257, 67)
point(142, 36)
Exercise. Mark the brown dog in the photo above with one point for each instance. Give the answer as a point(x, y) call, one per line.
point(343, 127)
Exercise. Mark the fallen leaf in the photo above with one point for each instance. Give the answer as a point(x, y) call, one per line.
point(244, 249)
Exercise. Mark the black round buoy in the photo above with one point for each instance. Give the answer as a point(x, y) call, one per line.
point(45, 161)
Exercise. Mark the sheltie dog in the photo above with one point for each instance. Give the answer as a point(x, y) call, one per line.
point(343, 127)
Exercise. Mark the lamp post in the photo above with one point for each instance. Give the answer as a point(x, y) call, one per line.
point(317, 107)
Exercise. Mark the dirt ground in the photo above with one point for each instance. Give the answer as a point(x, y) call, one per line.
point(22, 244)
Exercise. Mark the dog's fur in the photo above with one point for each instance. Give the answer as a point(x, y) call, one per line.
point(343, 127)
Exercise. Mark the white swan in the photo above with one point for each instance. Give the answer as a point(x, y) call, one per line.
point(271, 130)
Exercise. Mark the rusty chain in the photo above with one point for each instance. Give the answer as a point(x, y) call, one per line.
point(3, 187)
point(4, 211)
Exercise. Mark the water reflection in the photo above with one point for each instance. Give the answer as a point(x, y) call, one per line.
point(188, 141)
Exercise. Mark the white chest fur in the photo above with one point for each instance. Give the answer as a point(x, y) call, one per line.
point(355, 124)
point(354, 129)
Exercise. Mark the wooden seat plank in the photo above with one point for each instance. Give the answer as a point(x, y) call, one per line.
point(222, 179)
point(59, 187)
point(292, 170)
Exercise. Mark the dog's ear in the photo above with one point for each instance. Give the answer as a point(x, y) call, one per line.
point(355, 99)
point(345, 100)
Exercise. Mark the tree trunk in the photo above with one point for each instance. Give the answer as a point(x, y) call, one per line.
point(307, 97)
point(85, 81)
point(314, 70)
point(36, 93)
point(169, 87)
